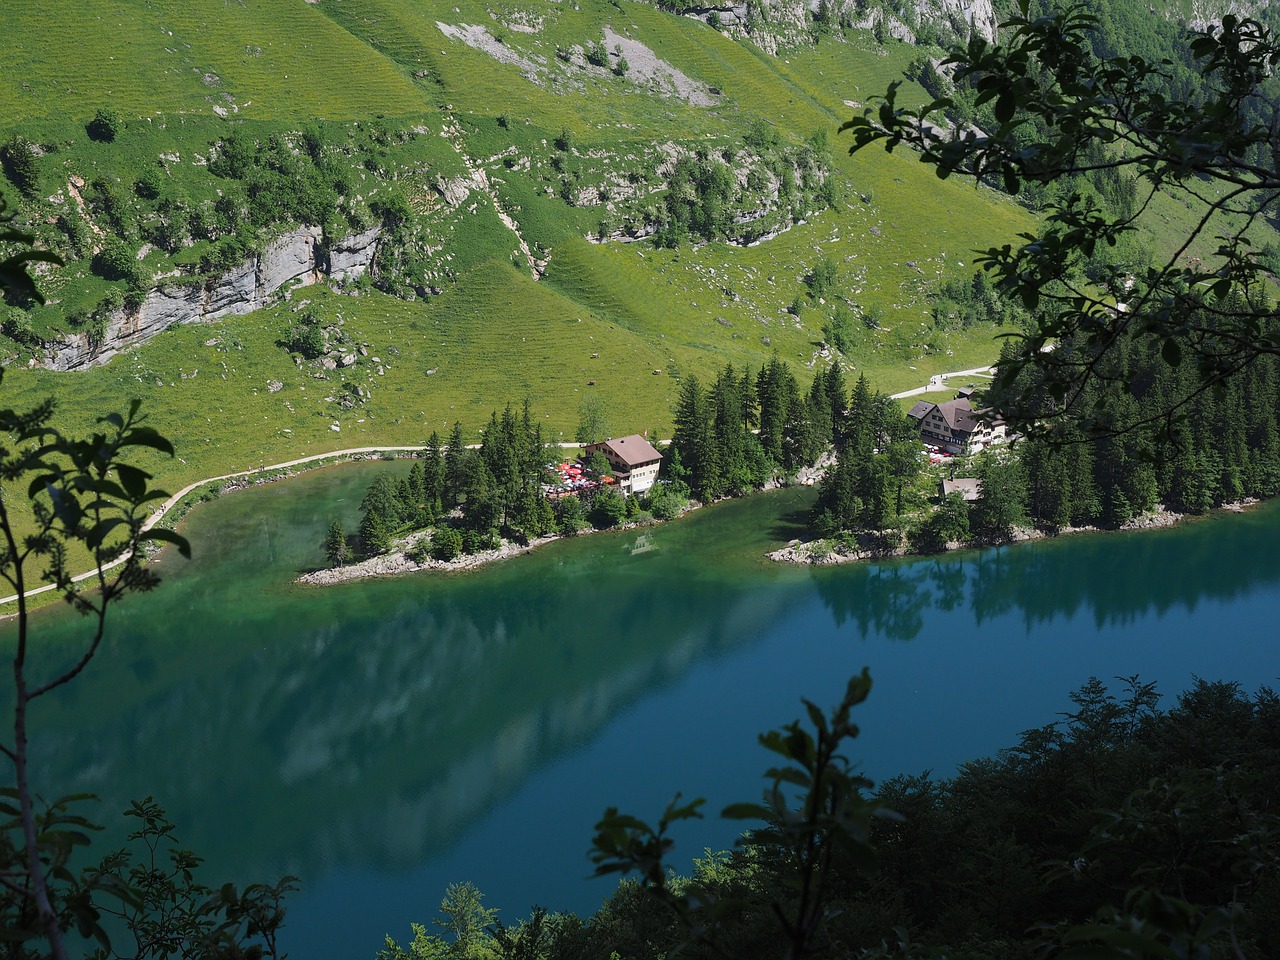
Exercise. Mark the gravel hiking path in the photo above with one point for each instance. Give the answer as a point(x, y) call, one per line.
point(169, 503)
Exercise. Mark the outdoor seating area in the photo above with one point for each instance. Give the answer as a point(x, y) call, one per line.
point(571, 479)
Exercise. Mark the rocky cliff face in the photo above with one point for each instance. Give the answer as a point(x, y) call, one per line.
point(1205, 14)
point(965, 17)
point(942, 21)
point(770, 24)
point(295, 259)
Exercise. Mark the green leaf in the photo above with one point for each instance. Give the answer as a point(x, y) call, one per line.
point(1005, 106)
point(745, 811)
point(858, 689)
point(690, 811)
point(147, 437)
point(107, 488)
point(816, 716)
point(788, 775)
point(133, 480)
point(97, 535)
point(168, 536)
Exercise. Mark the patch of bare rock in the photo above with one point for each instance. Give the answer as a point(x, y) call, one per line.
point(397, 562)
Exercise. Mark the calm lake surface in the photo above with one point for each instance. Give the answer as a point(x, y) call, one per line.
point(382, 739)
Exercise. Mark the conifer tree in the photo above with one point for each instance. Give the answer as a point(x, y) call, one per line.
point(433, 479)
point(375, 538)
point(901, 449)
point(691, 440)
point(336, 547)
point(1048, 485)
point(778, 397)
point(481, 501)
point(820, 411)
point(454, 466)
point(727, 470)
point(415, 482)
point(833, 386)
point(802, 443)
point(1002, 505)
point(382, 500)
point(860, 433)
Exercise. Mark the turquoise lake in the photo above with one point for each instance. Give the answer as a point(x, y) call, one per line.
point(384, 738)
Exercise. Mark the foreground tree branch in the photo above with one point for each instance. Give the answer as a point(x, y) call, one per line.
point(1060, 111)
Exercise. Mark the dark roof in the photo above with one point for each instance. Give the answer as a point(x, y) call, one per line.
point(634, 450)
point(920, 410)
point(959, 416)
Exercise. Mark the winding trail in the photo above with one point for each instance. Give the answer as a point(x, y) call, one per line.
point(936, 382)
point(939, 381)
point(169, 503)
point(164, 508)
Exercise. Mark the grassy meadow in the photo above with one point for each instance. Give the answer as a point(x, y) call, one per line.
point(405, 105)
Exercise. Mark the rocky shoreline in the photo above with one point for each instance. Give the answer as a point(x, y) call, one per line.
point(397, 562)
point(867, 546)
point(825, 552)
point(814, 552)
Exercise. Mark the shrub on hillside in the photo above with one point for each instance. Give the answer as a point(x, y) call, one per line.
point(446, 543)
point(118, 261)
point(104, 126)
point(18, 156)
point(841, 330)
point(570, 515)
point(821, 280)
point(477, 541)
point(608, 510)
point(148, 185)
point(306, 336)
point(666, 503)
point(16, 325)
point(597, 55)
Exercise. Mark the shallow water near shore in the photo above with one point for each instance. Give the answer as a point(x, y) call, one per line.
point(381, 739)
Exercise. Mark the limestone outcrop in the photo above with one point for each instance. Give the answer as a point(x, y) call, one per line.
point(295, 259)
point(773, 23)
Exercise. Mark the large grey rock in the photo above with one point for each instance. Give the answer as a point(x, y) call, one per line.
point(965, 17)
point(959, 18)
point(295, 258)
point(290, 258)
point(780, 23)
point(351, 257)
point(455, 190)
point(233, 293)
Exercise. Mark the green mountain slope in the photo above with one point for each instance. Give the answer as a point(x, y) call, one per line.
point(273, 60)
point(480, 153)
